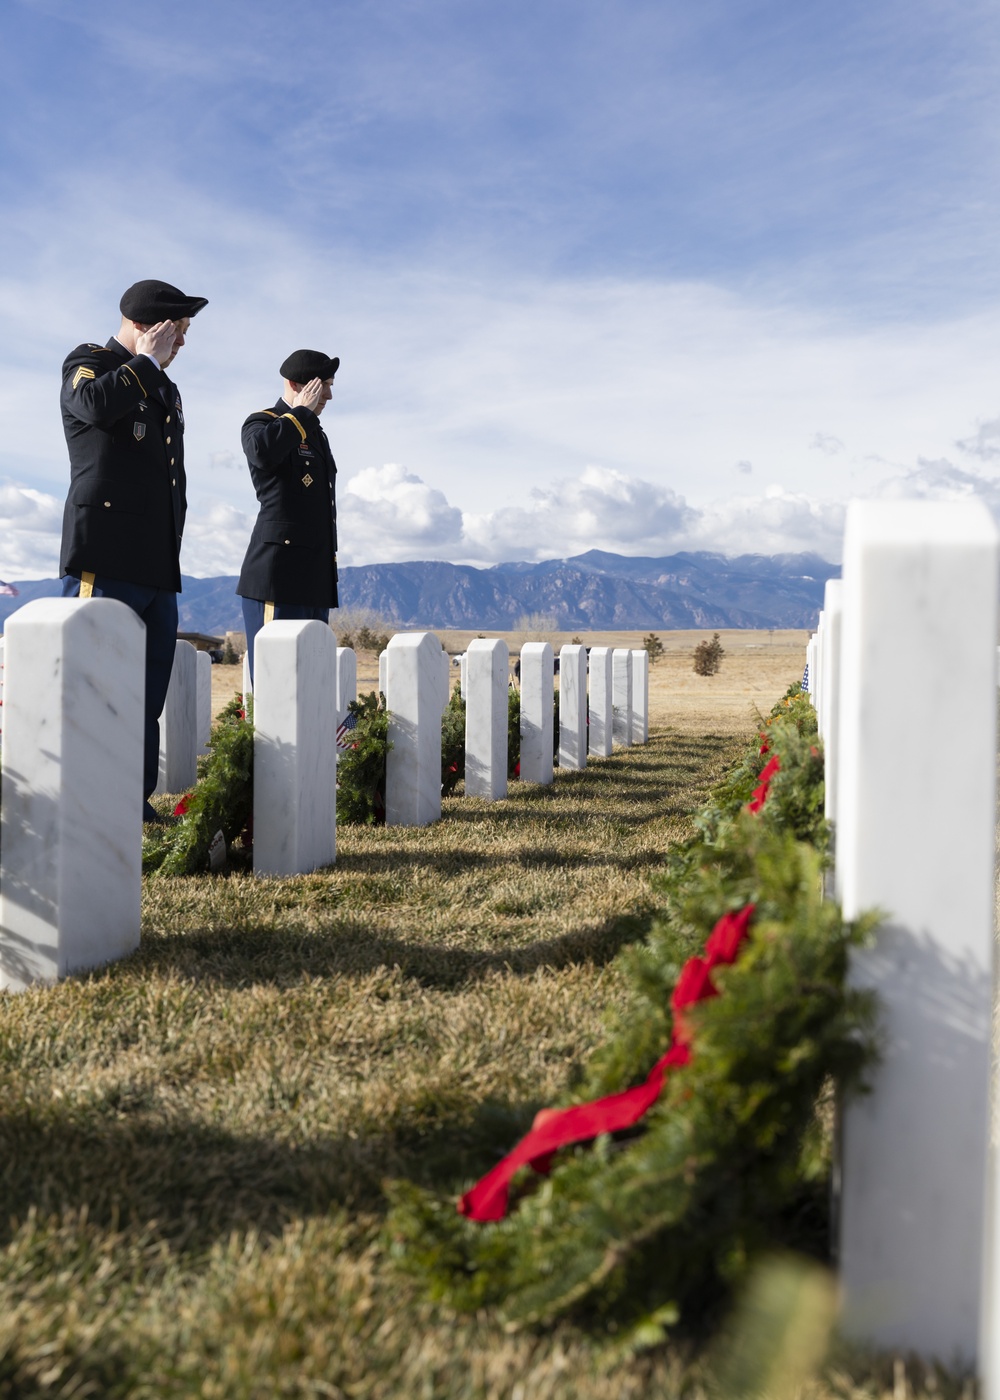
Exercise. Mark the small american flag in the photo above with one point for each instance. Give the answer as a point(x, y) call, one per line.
point(7, 590)
point(805, 677)
point(344, 728)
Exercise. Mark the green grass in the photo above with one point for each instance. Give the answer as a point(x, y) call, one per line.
point(193, 1142)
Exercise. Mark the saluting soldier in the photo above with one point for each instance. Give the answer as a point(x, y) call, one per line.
point(125, 510)
point(290, 569)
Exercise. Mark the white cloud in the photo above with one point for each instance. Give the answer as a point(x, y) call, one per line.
point(827, 444)
point(225, 461)
point(577, 514)
point(984, 443)
point(215, 539)
point(388, 513)
point(30, 526)
point(941, 480)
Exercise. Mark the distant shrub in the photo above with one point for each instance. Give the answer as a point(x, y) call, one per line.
point(364, 639)
point(708, 656)
point(653, 648)
point(362, 629)
point(535, 627)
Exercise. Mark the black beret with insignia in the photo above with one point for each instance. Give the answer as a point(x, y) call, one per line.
point(303, 365)
point(150, 302)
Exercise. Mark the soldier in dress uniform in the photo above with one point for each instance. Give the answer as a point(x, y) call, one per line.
point(125, 509)
point(290, 569)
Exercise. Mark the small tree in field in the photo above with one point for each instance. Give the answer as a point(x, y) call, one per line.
point(654, 648)
point(708, 656)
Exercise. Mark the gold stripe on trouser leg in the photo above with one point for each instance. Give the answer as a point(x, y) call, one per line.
point(86, 585)
point(268, 613)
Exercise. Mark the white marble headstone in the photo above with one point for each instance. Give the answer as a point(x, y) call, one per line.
point(573, 706)
point(915, 838)
point(347, 680)
point(640, 696)
point(383, 672)
point(445, 679)
point(601, 713)
point(537, 695)
point(820, 689)
point(204, 700)
point(413, 698)
point(486, 719)
point(247, 682)
point(833, 608)
point(294, 749)
point(179, 724)
point(71, 867)
point(463, 674)
point(621, 664)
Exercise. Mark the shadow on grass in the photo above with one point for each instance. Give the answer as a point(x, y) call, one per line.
point(192, 1185)
point(655, 781)
point(390, 860)
point(251, 957)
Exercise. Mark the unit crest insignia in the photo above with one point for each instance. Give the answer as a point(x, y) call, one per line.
point(307, 480)
point(138, 431)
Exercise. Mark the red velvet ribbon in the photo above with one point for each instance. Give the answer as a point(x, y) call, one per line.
point(559, 1127)
point(759, 795)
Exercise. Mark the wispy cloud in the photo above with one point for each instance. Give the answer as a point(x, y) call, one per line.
point(826, 443)
point(984, 443)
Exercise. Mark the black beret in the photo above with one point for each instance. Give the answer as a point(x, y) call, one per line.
point(303, 365)
point(150, 302)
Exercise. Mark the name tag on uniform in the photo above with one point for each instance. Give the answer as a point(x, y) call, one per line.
point(305, 450)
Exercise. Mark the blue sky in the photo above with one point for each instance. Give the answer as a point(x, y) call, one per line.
point(638, 277)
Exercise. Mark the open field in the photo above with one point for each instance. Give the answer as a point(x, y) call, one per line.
point(757, 667)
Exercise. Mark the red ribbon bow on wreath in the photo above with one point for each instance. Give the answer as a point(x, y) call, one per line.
point(559, 1127)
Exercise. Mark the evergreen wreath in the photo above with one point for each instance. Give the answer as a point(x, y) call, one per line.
point(453, 743)
point(361, 766)
point(222, 800)
point(642, 1231)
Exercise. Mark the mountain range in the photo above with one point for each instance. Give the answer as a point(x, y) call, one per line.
point(591, 592)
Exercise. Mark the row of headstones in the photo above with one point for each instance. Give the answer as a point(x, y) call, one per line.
point(903, 674)
point(70, 863)
point(616, 710)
